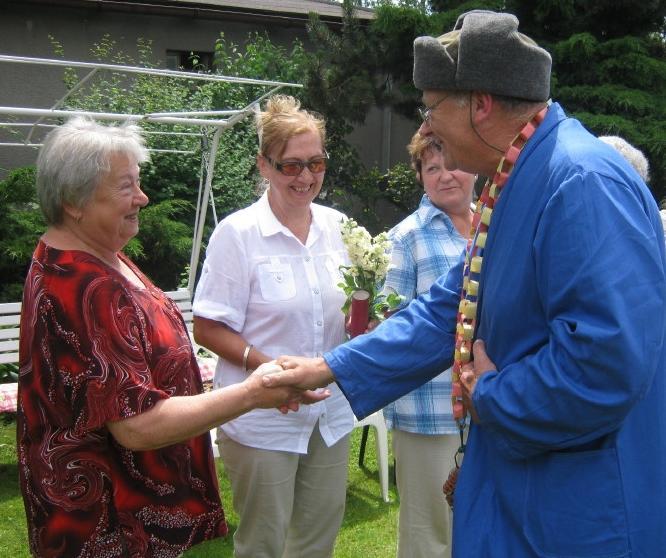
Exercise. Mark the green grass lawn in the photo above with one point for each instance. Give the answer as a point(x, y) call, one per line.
point(368, 529)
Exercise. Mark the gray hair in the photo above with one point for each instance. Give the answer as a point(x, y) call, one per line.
point(515, 107)
point(633, 155)
point(75, 156)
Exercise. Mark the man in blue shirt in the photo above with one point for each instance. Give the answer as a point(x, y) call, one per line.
point(566, 454)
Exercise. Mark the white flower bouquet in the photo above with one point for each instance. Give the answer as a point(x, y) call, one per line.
point(370, 258)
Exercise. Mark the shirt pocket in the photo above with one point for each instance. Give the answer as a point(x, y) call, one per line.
point(575, 505)
point(333, 264)
point(276, 281)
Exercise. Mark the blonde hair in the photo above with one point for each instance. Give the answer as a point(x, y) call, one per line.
point(418, 147)
point(282, 119)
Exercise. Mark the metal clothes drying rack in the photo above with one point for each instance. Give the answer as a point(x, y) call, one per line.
point(207, 122)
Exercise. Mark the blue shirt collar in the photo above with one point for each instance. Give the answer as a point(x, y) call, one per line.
point(427, 211)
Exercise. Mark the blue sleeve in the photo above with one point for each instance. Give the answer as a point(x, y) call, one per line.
point(404, 352)
point(600, 277)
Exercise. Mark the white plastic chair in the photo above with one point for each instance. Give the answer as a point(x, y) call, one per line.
point(376, 420)
point(213, 439)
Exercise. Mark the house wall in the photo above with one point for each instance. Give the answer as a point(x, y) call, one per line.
point(25, 28)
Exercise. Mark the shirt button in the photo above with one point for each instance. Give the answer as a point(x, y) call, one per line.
point(315, 291)
point(307, 258)
point(319, 323)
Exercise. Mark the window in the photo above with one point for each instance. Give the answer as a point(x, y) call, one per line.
point(189, 60)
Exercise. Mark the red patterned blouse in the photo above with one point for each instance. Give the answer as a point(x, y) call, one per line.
point(95, 348)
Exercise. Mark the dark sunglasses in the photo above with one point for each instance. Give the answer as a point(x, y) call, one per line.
point(294, 168)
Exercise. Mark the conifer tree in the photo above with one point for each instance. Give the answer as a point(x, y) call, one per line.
point(609, 63)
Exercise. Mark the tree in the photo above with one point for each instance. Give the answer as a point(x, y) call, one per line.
point(556, 20)
point(348, 73)
point(609, 63)
point(22, 226)
point(609, 68)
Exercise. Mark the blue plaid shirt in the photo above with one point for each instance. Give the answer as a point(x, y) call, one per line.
point(425, 246)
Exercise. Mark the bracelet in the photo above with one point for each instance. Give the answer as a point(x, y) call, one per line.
point(246, 353)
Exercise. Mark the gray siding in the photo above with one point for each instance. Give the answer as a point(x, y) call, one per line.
point(25, 27)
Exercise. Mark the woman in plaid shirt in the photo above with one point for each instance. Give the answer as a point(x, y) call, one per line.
point(425, 437)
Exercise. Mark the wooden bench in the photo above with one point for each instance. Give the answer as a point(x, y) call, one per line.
point(183, 299)
point(10, 317)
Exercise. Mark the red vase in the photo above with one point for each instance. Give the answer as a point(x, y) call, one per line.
point(359, 313)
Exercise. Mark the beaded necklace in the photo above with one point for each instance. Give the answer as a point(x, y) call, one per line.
point(467, 318)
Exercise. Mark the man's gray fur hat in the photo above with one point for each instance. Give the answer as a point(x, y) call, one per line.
point(484, 52)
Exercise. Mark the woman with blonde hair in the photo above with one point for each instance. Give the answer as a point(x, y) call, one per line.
point(269, 287)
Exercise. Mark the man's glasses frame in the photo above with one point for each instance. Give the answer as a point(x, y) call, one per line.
point(295, 168)
point(426, 112)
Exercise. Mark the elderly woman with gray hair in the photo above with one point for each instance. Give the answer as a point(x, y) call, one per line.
point(112, 427)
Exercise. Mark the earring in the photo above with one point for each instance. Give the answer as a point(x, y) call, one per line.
point(262, 186)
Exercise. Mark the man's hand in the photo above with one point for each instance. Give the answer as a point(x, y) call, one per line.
point(471, 372)
point(300, 372)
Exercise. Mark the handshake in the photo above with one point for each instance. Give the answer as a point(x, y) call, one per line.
point(288, 382)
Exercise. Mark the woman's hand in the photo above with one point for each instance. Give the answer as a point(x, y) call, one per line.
point(283, 397)
point(300, 372)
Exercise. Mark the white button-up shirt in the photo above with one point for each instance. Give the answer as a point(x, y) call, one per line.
point(281, 296)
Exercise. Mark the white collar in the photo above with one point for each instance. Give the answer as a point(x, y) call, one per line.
point(270, 225)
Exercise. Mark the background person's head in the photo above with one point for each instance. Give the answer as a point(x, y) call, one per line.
point(292, 157)
point(75, 158)
point(419, 147)
point(450, 191)
point(633, 155)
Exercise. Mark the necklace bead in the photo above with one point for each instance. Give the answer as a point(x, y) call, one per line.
point(467, 310)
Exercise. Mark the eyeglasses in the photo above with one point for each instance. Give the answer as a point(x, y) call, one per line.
point(426, 112)
point(294, 168)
